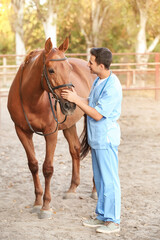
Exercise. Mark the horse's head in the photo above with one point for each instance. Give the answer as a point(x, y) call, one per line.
point(56, 71)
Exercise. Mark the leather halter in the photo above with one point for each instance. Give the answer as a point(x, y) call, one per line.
point(58, 59)
point(54, 95)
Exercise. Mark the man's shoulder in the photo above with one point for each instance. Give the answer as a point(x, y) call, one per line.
point(114, 76)
point(114, 87)
point(114, 82)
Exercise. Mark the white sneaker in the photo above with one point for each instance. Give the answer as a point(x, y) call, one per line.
point(110, 228)
point(93, 223)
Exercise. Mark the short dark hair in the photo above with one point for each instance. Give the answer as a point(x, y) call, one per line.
point(103, 56)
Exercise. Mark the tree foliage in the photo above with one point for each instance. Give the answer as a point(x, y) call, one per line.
point(113, 24)
point(7, 44)
point(34, 36)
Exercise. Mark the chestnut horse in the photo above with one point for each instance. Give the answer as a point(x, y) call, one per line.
point(44, 73)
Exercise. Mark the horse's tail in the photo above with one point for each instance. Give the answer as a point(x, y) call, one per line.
point(85, 148)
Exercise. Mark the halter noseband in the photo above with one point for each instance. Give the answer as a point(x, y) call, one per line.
point(58, 59)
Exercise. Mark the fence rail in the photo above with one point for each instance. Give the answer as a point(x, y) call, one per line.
point(133, 76)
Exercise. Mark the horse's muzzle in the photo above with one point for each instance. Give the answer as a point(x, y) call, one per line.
point(67, 108)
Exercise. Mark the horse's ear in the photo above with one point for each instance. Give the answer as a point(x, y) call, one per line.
point(64, 46)
point(48, 45)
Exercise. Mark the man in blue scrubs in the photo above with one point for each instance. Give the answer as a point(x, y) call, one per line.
point(103, 108)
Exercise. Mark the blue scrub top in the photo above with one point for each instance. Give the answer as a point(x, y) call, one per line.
point(106, 98)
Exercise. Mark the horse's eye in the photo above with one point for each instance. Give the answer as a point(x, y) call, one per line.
point(50, 70)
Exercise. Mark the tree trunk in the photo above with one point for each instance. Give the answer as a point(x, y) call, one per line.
point(48, 17)
point(17, 25)
point(50, 28)
point(141, 44)
point(91, 25)
point(20, 48)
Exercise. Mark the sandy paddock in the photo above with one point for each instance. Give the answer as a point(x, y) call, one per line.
point(139, 156)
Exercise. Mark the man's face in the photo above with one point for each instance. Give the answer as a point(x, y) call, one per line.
point(93, 66)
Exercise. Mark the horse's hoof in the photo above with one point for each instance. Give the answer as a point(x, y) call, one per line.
point(70, 195)
point(45, 214)
point(94, 195)
point(36, 209)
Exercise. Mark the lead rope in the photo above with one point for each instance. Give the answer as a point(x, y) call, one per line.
point(55, 106)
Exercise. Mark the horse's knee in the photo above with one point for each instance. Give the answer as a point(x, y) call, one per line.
point(47, 170)
point(77, 148)
point(75, 151)
point(33, 166)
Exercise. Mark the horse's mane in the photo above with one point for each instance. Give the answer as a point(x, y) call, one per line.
point(31, 55)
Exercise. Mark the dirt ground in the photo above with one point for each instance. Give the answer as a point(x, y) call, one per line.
point(139, 169)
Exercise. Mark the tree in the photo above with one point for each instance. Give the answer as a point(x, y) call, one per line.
point(47, 15)
point(144, 8)
point(34, 36)
point(93, 14)
point(17, 25)
point(7, 36)
point(118, 25)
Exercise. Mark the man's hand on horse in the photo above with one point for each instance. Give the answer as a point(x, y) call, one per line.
point(69, 95)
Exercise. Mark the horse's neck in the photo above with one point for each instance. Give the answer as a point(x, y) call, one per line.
point(31, 82)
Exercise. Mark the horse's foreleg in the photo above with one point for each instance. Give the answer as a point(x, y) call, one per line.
point(74, 147)
point(26, 140)
point(51, 141)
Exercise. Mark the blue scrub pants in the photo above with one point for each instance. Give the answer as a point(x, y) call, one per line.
point(105, 171)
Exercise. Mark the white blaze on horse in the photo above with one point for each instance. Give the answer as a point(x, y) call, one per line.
point(36, 106)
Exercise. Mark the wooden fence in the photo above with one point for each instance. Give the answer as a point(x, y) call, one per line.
point(134, 77)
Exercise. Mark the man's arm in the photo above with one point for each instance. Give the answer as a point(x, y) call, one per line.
point(82, 103)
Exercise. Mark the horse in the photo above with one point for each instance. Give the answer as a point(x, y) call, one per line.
point(36, 106)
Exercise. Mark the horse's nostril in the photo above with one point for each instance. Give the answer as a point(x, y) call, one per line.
point(67, 105)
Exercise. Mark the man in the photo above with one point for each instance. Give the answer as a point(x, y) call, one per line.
point(103, 108)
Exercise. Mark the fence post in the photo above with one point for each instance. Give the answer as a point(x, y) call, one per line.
point(128, 83)
point(4, 71)
point(157, 85)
